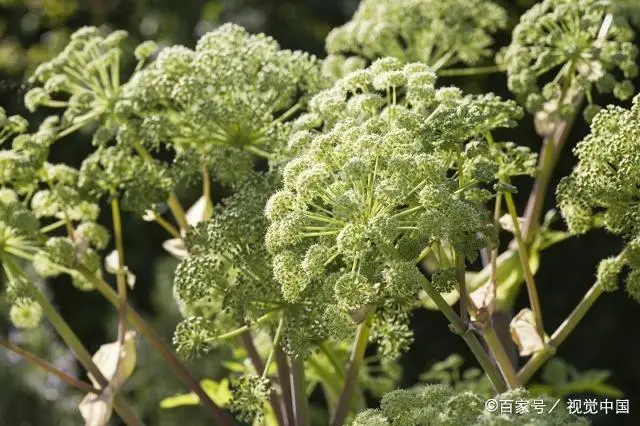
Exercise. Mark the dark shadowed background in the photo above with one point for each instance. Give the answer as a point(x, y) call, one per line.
point(32, 30)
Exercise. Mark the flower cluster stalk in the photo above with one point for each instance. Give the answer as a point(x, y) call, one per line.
point(177, 367)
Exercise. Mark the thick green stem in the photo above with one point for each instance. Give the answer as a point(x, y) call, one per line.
point(500, 356)
point(178, 211)
point(351, 378)
point(121, 278)
point(559, 336)
point(206, 184)
point(470, 339)
point(523, 254)
point(299, 387)
point(174, 364)
point(284, 375)
point(276, 342)
point(331, 384)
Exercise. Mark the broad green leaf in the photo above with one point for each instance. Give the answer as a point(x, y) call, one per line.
point(218, 391)
point(236, 367)
point(562, 379)
point(181, 400)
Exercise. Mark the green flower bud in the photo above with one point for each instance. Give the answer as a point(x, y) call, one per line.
point(633, 284)
point(608, 272)
point(353, 291)
point(25, 313)
point(145, 49)
point(288, 271)
point(61, 251)
point(193, 337)
point(97, 235)
point(624, 90)
point(444, 280)
point(590, 112)
point(250, 393)
point(315, 259)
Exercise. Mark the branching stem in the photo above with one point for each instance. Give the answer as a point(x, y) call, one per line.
point(174, 364)
point(472, 341)
point(562, 332)
point(500, 356)
point(261, 369)
point(75, 345)
point(284, 375)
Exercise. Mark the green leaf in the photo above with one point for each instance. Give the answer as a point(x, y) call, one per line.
point(562, 379)
point(218, 391)
point(236, 367)
point(181, 400)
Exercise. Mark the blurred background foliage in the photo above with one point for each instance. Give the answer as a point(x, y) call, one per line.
point(32, 31)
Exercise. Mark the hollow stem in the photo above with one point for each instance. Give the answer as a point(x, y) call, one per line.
point(121, 279)
point(523, 254)
point(462, 289)
point(340, 372)
point(178, 211)
point(74, 344)
point(284, 375)
point(167, 227)
point(206, 184)
point(276, 341)
point(500, 356)
point(351, 377)
point(299, 387)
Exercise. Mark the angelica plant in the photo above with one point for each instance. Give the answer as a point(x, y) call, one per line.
point(440, 34)
point(588, 41)
point(360, 189)
point(602, 188)
point(222, 104)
